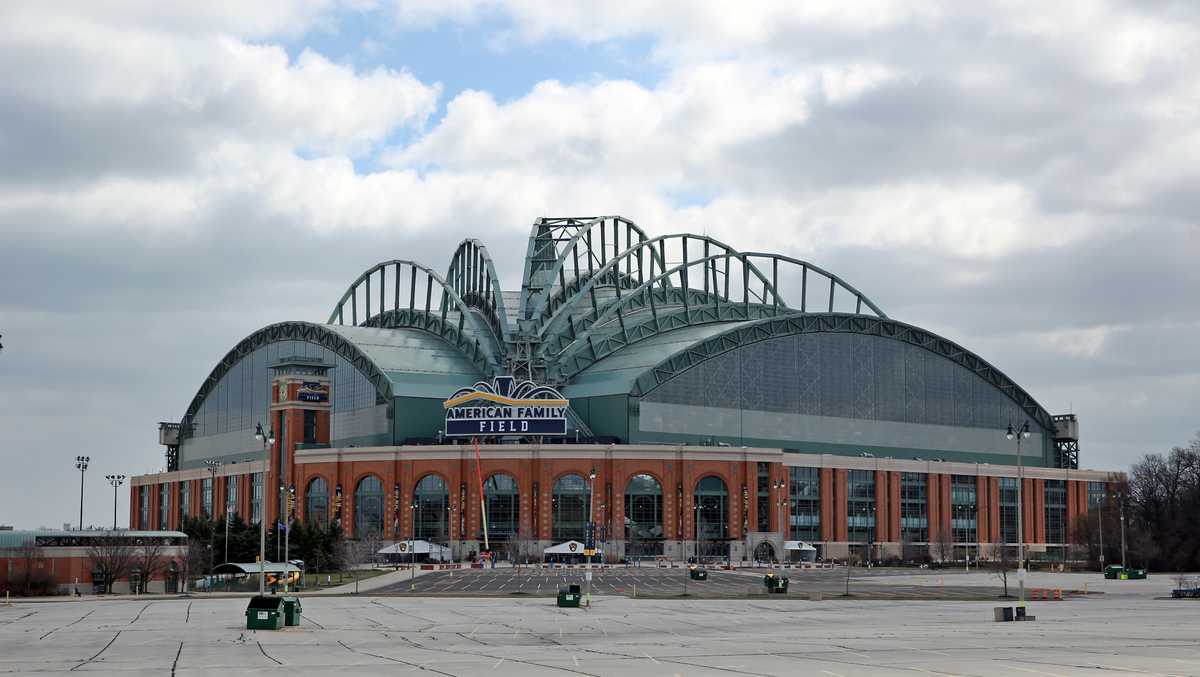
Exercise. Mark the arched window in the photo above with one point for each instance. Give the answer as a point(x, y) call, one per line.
point(712, 516)
point(571, 500)
point(643, 517)
point(368, 507)
point(433, 502)
point(503, 506)
point(316, 502)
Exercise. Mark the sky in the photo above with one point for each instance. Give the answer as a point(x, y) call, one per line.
point(1019, 177)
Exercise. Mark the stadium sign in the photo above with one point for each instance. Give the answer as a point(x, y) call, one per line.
point(312, 391)
point(506, 407)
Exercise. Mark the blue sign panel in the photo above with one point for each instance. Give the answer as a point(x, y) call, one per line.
point(506, 407)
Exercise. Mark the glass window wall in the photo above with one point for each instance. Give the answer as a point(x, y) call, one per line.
point(804, 495)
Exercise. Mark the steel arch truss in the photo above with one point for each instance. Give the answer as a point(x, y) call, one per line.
point(627, 313)
point(646, 261)
point(561, 249)
point(422, 299)
point(291, 331)
point(734, 288)
point(810, 323)
point(472, 276)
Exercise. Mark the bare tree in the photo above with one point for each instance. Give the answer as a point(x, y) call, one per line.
point(149, 561)
point(359, 552)
point(111, 555)
point(941, 545)
point(1002, 562)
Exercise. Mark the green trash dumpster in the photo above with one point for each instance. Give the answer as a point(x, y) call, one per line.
point(780, 586)
point(568, 596)
point(264, 613)
point(1113, 571)
point(698, 574)
point(1135, 574)
point(291, 610)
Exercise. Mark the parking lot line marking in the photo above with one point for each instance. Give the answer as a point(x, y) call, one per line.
point(835, 674)
point(497, 664)
point(657, 663)
point(576, 659)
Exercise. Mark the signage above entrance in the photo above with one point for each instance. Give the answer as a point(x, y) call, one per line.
point(506, 407)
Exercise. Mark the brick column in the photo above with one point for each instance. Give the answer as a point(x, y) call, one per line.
point(826, 502)
point(894, 507)
point(933, 495)
point(882, 506)
point(841, 505)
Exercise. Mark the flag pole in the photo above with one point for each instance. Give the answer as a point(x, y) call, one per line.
point(482, 506)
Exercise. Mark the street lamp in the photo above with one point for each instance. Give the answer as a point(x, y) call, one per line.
point(778, 486)
point(213, 465)
point(412, 546)
point(268, 440)
point(1022, 434)
point(290, 495)
point(591, 528)
point(115, 481)
point(81, 464)
point(1121, 505)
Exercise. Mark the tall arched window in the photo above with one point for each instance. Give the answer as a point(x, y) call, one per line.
point(643, 517)
point(368, 507)
point(571, 499)
point(316, 502)
point(712, 516)
point(433, 501)
point(503, 506)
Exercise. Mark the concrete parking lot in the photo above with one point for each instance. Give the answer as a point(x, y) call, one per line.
point(1126, 633)
point(667, 582)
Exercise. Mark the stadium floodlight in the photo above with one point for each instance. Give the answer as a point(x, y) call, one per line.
point(81, 464)
point(115, 481)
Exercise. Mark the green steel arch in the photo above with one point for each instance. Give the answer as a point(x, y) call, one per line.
point(579, 331)
point(310, 332)
point(559, 307)
point(472, 275)
point(809, 323)
point(553, 242)
point(452, 318)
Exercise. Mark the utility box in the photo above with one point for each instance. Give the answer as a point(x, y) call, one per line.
point(264, 613)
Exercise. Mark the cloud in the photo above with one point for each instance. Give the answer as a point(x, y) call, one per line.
point(1018, 177)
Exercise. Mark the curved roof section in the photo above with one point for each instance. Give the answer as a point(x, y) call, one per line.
point(398, 362)
point(415, 362)
point(732, 337)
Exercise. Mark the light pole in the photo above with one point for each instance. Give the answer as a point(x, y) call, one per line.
point(778, 486)
point(696, 526)
point(1023, 433)
point(591, 528)
point(214, 465)
point(81, 464)
point(412, 546)
point(268, 440)
point(115, 481)
point(1121, 505)
point(287, 532)
point(1100, 523)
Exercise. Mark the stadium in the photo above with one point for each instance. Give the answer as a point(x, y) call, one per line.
point(684, 397)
